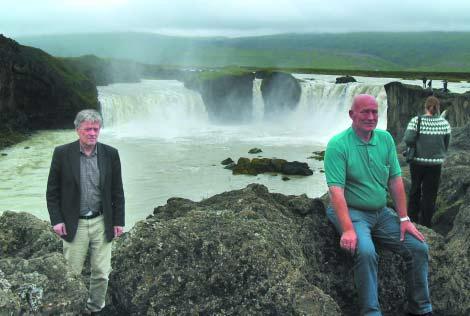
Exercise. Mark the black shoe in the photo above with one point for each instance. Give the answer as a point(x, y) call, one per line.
point(426, 314)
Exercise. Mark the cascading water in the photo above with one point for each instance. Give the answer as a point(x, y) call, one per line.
point(163, 108)
point(166, 109)
point(327, 103)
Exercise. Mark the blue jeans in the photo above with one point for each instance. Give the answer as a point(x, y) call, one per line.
point(384, 226)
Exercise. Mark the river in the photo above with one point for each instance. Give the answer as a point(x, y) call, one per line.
point(169, 148)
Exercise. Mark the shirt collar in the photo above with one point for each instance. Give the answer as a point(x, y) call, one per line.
point(93, 153)
point(359, 142)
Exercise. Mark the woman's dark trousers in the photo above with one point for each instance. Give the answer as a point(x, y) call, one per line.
point(423, 192)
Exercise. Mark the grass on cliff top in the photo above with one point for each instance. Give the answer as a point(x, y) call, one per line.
point(225, 71)
point(208, 73)
point(71, 78)
point(410, 75)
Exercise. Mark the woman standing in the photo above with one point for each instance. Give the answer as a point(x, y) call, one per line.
point(431, 147)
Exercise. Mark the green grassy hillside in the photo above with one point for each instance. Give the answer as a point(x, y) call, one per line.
point(426, 51)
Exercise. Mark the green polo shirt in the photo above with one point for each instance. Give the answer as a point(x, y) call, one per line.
point(362, 168)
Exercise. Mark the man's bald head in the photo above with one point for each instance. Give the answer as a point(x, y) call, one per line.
point(364, 114)
point(362, 99)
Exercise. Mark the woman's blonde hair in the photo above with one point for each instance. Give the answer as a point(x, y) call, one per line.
point(432, 104)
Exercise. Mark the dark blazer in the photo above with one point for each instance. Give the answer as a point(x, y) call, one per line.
point(63, 188)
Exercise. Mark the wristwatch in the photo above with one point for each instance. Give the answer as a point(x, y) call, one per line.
point(404, 219)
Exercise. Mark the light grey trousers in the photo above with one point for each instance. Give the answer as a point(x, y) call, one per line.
point(91, 235)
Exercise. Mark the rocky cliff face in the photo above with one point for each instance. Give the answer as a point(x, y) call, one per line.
point(228, 98)
point(281, 92)
point(37, 91)
point(405, 101)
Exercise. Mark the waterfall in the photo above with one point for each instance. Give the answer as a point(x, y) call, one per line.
point(258, 104)
point(153, 107)
point(166, 109)
point(328, 103)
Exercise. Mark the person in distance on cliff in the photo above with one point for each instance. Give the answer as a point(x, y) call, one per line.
point(361, 167)
point(424, 82)
point(444, 84)
point(431, 147)
point(85, 200)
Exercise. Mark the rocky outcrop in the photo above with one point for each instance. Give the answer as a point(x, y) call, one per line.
point(455, 181)
point(251, 252)
point(405, 101)
point(23, 235)
point(281, 92)
point(233, 254)
point(261, 165)
point(34, 278)
point(228, 97)
point(345, 79)
point(453, 219)
point(38, 91)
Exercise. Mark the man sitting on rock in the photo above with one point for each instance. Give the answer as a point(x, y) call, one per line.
point(361, 167)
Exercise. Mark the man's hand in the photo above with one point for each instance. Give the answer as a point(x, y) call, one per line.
point(348, 241)
point(118, 230)
point(409, 227)
point(59, 229)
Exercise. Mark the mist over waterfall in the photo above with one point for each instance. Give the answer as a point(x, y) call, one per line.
point(327, 103)
point(163, 108)
point(166, 109)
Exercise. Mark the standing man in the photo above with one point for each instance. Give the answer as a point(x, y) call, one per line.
point(361, 167)
point(85, 200)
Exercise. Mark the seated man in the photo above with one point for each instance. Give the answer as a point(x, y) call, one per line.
point(361, 166)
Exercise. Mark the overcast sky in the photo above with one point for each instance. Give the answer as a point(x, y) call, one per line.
point(230, 17)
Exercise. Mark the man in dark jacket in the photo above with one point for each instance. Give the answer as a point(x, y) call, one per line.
point(85, 200)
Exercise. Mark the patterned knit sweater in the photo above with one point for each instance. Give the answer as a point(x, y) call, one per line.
point(433, 140)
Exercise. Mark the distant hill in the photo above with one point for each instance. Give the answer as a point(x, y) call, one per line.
point(422, 51)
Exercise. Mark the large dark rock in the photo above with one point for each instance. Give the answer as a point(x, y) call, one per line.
point(451, 278)
point(405, 101)
point(233, 254)
point(281, 92)
point(34, 277)
point(251, 252)
point(43, 285)
point(25, 236)
point(256, 166)
point(296, 168)
point(227, 97)
point(38, 91)
point(345, 79)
